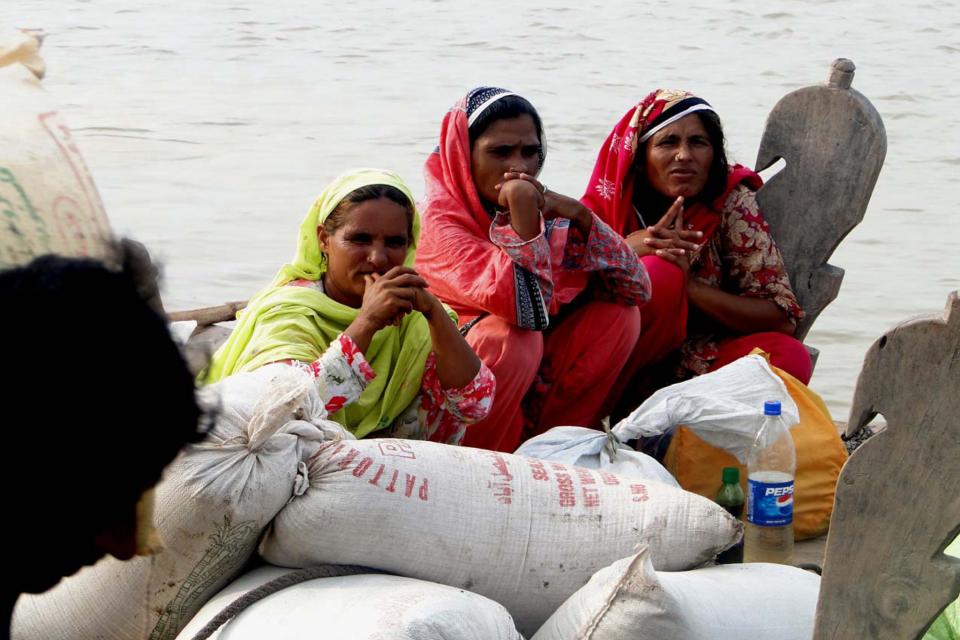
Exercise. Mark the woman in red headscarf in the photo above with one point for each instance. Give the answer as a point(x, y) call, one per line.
point(720, 288)
point(547, 292)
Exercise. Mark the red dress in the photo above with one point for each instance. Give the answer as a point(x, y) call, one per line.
point(739, 257)
point(553, 361)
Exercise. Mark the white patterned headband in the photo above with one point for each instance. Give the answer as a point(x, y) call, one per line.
point(680, 110)
point(481, 99)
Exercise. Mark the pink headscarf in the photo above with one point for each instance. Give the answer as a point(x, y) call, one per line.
point(455, 255)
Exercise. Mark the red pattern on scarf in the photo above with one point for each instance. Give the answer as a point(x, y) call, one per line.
point(610, 190)
point(455, 254)
point(610, 196)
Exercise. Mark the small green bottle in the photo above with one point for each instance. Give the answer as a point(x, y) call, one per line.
point(730, 497)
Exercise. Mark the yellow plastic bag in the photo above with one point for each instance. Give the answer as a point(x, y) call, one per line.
point(698, 466)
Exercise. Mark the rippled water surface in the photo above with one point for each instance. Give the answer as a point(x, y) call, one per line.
point(210, 126)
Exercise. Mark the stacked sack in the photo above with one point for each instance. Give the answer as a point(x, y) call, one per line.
point(354, 607)
point(523, 532)
point(487, 543)
point(630, 599)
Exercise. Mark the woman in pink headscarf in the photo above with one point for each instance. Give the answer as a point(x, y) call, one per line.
point(720, 288)
point(547, 293)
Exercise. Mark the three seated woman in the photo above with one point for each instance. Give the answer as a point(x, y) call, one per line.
point(548, 290)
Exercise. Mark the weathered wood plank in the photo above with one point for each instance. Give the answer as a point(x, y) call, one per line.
point(209, 315)
point(208, 336)
point(898, 497)
point(834, 143)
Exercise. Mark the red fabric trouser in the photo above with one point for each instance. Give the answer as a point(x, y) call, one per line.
point(665, 328)
point(579, 357)
point(786, 352)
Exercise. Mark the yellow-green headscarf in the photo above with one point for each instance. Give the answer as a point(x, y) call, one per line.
point(298, 323)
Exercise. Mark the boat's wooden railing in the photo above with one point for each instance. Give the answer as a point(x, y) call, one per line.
point(897, 504)
point(206, 316)
point(209, 334)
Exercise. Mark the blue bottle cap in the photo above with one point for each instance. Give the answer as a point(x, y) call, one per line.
point(771, 408)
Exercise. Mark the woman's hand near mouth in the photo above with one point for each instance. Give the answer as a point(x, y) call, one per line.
point(524, 202)
point(556, 205)
point(386, 299)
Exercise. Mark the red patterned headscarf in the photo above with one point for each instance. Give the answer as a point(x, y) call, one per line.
point(464, 268)
point(610, 192)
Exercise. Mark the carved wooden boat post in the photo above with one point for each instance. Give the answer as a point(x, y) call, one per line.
point(833, 143)
point(898, 497)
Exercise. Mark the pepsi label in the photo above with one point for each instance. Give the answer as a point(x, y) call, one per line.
point(769, 504)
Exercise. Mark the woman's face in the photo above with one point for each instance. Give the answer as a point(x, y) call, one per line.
point(373, 239)
point(510, 144)
point(679, 157)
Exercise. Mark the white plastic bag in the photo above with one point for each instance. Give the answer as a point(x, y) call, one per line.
point(526, 533)
point(723, 407)
point(629, 599)
point(566, 445)
point(211, 507)
point(360, 607)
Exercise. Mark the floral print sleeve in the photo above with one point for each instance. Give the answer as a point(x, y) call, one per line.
point(443, 415)
point(438, 414)
point(532, 270)
point(751, 260)
point(740, 258)
point(341, 373)
point(623, 276)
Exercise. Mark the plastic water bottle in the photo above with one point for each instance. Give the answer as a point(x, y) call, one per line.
point(771, 464)
point(730, 497)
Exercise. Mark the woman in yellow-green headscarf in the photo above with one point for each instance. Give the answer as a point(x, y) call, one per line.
point(350, 309)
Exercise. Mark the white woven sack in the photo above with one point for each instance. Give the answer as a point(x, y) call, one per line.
point(629, 600)
point(361, 607)
point(526, 533)
point(51, 204)
point(212, 506)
